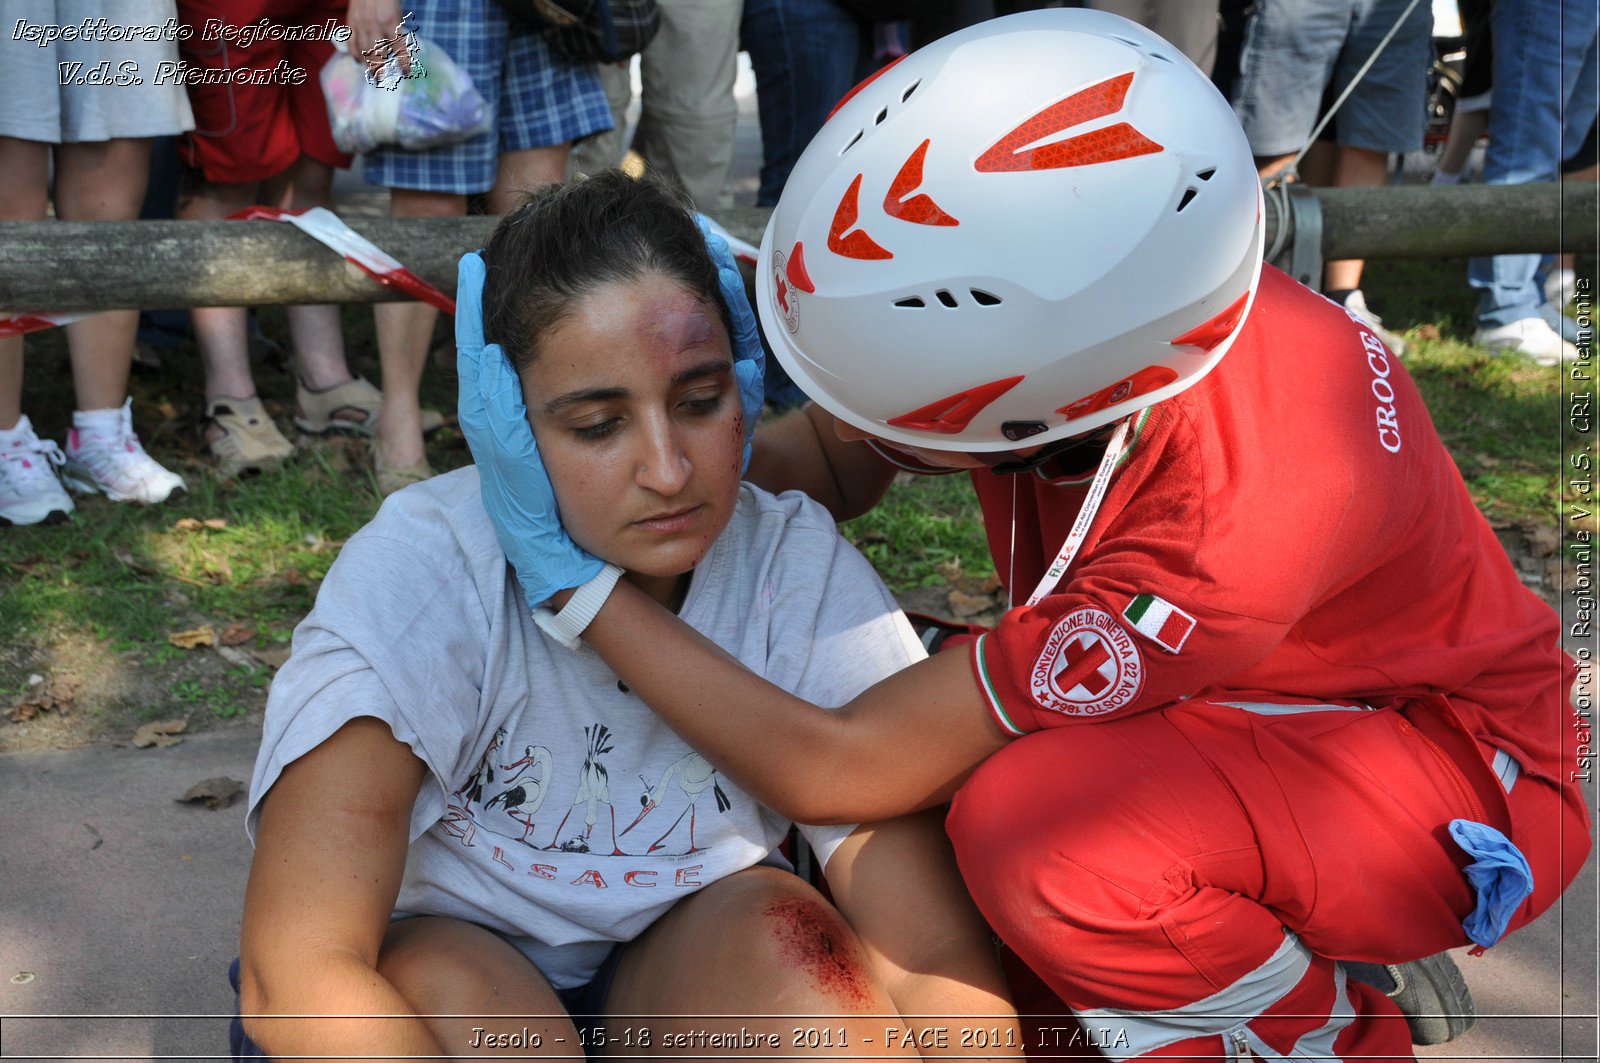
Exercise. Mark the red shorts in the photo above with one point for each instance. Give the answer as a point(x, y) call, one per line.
point(247, 132)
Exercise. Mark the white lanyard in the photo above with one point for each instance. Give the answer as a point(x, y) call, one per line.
point(1080, 527)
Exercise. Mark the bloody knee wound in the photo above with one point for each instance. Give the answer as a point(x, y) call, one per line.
point(812, 939)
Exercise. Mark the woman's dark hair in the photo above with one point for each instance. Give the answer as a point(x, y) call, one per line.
point(566, 240)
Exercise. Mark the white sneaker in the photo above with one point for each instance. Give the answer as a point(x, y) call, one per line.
point(1560, 287)
point(1356, 303)
point(29, 490)
point(116, 464)
point(1564, 325)
point(1532, 336)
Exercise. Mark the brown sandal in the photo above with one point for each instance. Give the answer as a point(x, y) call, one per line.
point(250, 442)
point(352, 406)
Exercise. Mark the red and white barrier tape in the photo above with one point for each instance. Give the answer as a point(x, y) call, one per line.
point(21, 324)
point(325, 226)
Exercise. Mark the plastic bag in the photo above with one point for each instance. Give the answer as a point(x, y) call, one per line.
point(436, 104)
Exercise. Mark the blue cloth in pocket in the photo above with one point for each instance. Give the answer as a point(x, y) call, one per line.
point(1500, 874)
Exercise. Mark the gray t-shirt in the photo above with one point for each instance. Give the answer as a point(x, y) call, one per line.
point(562, 813)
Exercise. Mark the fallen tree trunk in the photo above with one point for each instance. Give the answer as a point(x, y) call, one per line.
point(78, 266)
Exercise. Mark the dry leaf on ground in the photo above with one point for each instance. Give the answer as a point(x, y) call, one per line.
point(53, 696)
point(190, 524)
point(219, 792)
point(160, 733)
point(194, 638)
point(965, 605)
point(236, 634)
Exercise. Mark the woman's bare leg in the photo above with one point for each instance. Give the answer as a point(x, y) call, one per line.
point(469, 985)
point(220, 332)
point(102, 181)
point(404, 332)
point(758, 945)
point(316, 330)
point(22, 198)
point(519, 172)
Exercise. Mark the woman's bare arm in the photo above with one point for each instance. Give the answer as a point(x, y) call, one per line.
point(903, 745)
point(897, 884)
point(330, 849)
point(801, 452)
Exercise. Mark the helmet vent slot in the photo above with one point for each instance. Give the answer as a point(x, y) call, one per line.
point(883, 112)
point(906, 95)
point(1188, 194)
point(913, 303)
point(944, 296)
point(1206, 175)
point(984, 298)
point(853, 141)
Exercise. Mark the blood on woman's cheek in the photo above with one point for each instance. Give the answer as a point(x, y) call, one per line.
point(818, 945)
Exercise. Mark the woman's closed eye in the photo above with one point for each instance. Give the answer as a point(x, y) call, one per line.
point(703, 401)
point(597, 430)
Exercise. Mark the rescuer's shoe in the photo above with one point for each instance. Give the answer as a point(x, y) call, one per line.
point(1430, 992)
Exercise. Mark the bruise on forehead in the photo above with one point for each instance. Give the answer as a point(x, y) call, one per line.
point(681, 324)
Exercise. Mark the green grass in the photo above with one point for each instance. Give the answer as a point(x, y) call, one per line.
point(126, 575)
point(1502, 418)
point(923, 532)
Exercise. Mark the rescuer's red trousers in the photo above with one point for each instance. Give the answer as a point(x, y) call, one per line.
point(1189, 876)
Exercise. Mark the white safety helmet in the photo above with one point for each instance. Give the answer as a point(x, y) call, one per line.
point(1022, 232)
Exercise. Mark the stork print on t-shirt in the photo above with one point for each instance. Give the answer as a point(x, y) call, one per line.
point(534, 812)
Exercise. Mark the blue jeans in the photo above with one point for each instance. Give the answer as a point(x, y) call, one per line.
point(1544, 102)
point(806, 54)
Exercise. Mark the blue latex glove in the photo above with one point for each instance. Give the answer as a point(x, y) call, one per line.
point(1500, 875)
point(516, 488)
point(749, 357)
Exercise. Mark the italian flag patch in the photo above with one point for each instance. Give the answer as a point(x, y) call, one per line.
point(1159, 621)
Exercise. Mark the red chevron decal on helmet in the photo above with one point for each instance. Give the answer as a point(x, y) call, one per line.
point(797, 269)
point(858, 244)
point(1121, 141)
point(1144, 381)
point(863, 83)
point(952, 414)
point(1208, 335)
point(920, 210)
